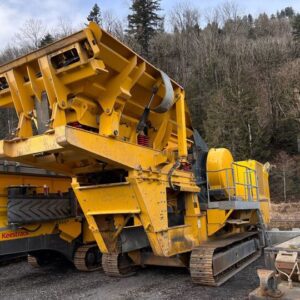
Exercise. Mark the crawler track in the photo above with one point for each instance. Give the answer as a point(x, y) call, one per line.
point(87, 258)
point(33, 261)
point(202, 259)
point(117, 265)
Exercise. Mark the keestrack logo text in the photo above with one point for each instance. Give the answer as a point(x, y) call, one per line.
point(14, 234)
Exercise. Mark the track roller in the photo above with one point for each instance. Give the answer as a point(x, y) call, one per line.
point(87, 258)
point(33, 261)
point(117, 265)
point(43, 259)
point(201, 266)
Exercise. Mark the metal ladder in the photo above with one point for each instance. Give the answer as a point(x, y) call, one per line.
point(263, 228)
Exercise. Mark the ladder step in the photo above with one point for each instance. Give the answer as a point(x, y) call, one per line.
point(237, 221)
point(263, 227)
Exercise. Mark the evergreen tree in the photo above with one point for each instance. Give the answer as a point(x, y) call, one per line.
point(296, 27)
point(288, 12)
point(95, 15)
point(250, 19)
point(144, 22)
point(47, 39)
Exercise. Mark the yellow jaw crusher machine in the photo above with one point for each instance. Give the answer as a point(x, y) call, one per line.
point(39, 216)
point(150, 190)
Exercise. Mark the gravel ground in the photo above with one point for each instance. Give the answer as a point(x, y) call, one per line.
point(18, 280)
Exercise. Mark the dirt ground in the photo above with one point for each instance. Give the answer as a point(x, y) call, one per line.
point(18, 280)
point(285, 215)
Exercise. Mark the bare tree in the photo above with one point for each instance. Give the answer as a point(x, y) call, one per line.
point(64, 27)
point(112, 24)
point(183, 17)
point(229, 11)
point(30, 34)
point(10, 53)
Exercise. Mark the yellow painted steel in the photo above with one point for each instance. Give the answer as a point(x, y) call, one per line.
point(107, 82)
point(97, 91)
point(219, 170)
point(54, 185)
point(69, 229)
point(258, 175)
point(248, 181)
point(216, 220)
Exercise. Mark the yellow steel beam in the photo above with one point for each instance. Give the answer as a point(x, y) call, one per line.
point(116, 199)
point(110, 150)
point(181, 127)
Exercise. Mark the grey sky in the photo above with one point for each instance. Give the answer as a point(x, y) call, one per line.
point(13, 13)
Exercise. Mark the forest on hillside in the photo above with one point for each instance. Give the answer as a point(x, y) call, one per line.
point(241, 74)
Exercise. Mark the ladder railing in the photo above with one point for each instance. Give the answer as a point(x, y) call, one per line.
point(263, 228)
point(231, 188)
point(227, 187)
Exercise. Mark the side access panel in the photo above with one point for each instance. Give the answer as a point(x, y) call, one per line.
point(21, 247)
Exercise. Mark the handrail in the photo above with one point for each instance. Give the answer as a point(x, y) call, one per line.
point(247, 182)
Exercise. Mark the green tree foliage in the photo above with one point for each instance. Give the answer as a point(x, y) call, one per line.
point(95, 15)
point(47, 39)
point(296, 27)
point(144, 22)
point(288, 12)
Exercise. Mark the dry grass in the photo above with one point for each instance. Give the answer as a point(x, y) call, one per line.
point(285, 215)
